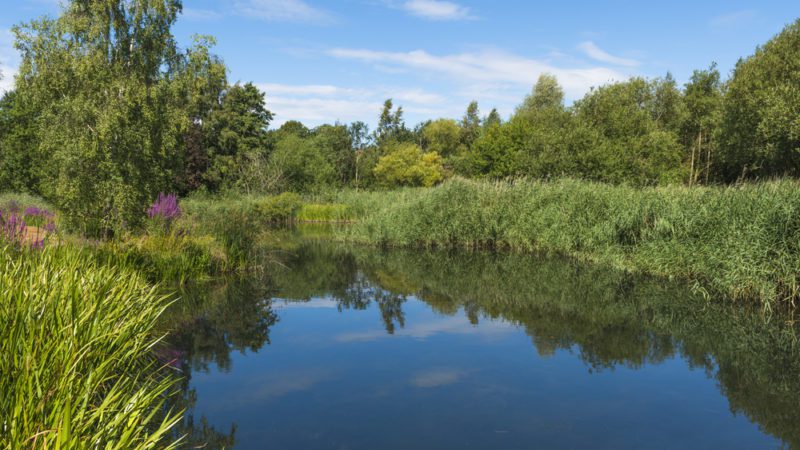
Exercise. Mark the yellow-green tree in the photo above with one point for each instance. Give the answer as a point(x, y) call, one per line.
point(407, 165)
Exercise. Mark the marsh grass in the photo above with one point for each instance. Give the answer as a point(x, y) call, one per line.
point(740, 242)
point(316, 212)
point(76, 354)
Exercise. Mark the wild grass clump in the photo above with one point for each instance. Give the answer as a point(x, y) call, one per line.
point(316, 212)
point(76, 354)
point(742, 242)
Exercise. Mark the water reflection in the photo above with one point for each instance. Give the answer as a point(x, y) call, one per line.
point(609, 321)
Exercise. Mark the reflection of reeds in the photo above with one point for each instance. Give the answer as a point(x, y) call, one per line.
point(76, 354)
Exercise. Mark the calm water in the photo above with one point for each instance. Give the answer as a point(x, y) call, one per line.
point(356, 348)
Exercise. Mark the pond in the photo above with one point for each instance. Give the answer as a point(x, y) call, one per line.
point(339, 347)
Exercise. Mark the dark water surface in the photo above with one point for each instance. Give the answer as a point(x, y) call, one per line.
point(357, 348)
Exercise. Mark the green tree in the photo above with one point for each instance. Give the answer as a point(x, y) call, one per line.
point(20, 163)
point(335, 142)
point(407, 165)
point(703, 99)
point(237, 138)
point(300, 164)
point(760, 130)
point(546, 94)
point(470, 125)
point(492, 119)
point(391, 126)
point(626, 133)
point(110, 120)
point(442, 136)
point(204, 80)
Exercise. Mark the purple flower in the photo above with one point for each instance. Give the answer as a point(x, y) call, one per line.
point(12, 228)
point(32, 211)
point(166, 207)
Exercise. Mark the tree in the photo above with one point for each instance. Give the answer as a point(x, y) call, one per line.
point(470, 125)
point(492, 119)
point(703, 99)
point(335, 142)
point(546, 94)
point(632, 140)
point(204, 81)
point(760, 132)
point(20, 163)
point(442, 136)
point(391, 126)
point(300, 164)
point(100, 78)
point(407, 165)
point(237, 134)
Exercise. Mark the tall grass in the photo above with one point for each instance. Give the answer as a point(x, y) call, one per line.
point(76, 354)
point(741, 242)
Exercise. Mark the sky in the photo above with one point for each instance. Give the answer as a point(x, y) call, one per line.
point(327, 61)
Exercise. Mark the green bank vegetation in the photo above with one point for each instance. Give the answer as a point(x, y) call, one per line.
point(79, 370)
point(739, 242)
point(108, 114)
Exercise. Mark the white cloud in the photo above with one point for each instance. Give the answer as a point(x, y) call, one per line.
point(9, 60)
point(315, 104)
point(437, 377)
point(598, 54)
point(282, 10)
point(489, 329)
point(437, 10)
point(490, 66)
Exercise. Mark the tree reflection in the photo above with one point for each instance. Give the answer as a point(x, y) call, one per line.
point(607, 318)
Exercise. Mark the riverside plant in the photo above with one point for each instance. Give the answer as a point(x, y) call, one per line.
point(164, 211)
point(737, 242)
point(77, 354)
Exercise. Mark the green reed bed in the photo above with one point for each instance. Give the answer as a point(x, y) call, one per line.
point(77, 354)
point(740, 242)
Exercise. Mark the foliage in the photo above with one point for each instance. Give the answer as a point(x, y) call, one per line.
point(280, 208)
point(77, 355)
point(238, 136)
point(407, 165)
point(442, 136)
point(330, 212)
point(760, 132)
point(106, 154)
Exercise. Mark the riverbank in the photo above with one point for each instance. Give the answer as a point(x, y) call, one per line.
point(736, 242)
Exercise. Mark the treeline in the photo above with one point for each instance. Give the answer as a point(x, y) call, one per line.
point(108, 111)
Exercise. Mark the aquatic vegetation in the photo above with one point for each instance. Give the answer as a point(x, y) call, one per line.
point(76, 354)
point(739, 242)
point(315, 212)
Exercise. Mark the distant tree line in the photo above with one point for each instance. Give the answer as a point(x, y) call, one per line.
point(107, 111)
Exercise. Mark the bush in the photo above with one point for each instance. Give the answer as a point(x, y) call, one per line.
point(278, 208)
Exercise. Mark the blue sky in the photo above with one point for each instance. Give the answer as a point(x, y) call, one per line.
point(323, 61)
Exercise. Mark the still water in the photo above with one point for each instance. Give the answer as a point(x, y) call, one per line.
point(357, 348)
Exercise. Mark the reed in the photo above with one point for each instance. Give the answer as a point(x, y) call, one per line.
point(741, 242)
point(77, 354)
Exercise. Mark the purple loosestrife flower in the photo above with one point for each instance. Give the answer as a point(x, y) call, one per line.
point(32, 211)
point(166, 207)
point(12, 228)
